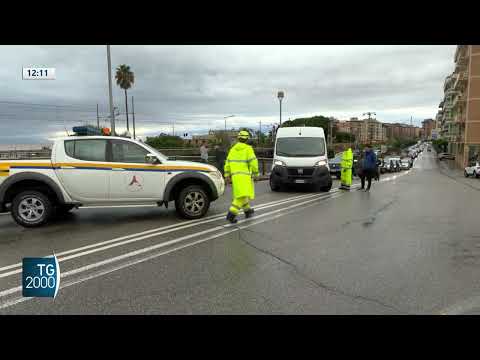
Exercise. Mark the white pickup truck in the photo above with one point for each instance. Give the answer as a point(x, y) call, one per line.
point(94, 170)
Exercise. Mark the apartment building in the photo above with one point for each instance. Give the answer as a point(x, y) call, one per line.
point(428, 125)
point(367, 131)
point(401, 131)
point(459, 111)
point(372, 132)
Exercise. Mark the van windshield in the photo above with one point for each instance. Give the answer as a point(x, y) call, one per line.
point(300, 146)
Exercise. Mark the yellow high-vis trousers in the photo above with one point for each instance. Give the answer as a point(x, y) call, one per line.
point(241, 203)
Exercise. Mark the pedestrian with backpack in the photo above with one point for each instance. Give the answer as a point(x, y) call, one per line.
point(369, 167)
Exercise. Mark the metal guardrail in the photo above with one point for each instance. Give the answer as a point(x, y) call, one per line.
point(264, 164)
point(25, 154)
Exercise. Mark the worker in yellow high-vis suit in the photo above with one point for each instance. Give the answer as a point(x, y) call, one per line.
point(346, 173)
point(240, 166)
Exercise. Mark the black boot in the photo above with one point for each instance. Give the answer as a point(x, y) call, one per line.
point(249, 213)
point(231, 217)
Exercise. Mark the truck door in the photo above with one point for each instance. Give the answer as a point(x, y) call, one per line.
point(82, 169)
point(132, 178)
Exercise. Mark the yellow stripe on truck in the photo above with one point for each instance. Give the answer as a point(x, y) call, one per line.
point(7, 166)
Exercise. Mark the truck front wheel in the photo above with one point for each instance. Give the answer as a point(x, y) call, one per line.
point(192, 202)
point(31, 208)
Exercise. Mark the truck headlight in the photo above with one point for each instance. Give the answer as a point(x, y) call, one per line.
point(321, 163)
point(279, 163)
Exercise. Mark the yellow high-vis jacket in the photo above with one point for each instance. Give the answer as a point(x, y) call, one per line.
point(241, 164)
point(346, 167)
point(347, 160)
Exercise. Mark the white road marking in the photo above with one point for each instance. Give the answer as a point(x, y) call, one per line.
point(154, 247)
point(131, 263)
point(153, 232)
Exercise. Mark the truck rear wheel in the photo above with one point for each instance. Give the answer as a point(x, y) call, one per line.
point(192, 202)
point(31, 208)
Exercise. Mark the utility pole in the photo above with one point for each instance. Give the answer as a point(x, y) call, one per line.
point(112, 118)
point(225, 118)
point(98, 119)
point(173, 127)
point(133, 118)
point(260, 133)
point(280, 96)
point(331, 132)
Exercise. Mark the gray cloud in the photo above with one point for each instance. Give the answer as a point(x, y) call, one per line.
point(195, 86)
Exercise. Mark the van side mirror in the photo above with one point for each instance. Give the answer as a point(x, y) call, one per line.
point(152, 159)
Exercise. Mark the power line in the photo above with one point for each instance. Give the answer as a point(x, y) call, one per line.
point(45, 105)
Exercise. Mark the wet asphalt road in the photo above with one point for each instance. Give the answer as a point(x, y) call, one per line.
point(410, 246)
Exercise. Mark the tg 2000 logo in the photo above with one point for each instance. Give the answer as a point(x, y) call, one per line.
point(41, 276)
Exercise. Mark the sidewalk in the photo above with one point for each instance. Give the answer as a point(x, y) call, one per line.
point(447, 167)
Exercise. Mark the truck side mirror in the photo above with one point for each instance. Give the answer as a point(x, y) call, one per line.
point(152, 159)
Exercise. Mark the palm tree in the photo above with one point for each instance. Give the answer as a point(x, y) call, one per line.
point(125, 79)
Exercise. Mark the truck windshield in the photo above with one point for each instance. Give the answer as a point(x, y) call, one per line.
point(300, 146)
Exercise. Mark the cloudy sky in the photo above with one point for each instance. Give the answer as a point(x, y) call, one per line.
point(194, 87)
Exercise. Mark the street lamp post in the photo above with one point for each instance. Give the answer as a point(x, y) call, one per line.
point(280, 96)
point(112, 115)
point(225, 118)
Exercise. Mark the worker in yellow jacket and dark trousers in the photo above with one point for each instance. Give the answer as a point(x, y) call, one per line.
point(240, 166)
point(346, 164)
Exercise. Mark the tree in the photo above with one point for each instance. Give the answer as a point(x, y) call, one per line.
point(125, 79)
point(164, 141)
point(315, 121)
point(344, 137)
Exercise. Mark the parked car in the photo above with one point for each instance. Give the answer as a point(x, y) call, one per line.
point(390, 165)
point(405, 164)
point(447, 156)
point(334, 164)
point(473, 169)
point(397, 164)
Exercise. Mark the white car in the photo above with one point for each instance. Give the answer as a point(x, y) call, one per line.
point(90, 170)
point(473, 169)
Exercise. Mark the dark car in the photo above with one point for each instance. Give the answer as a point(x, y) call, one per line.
point(447, 156)
point(334, 164)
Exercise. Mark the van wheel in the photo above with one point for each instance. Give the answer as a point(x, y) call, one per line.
point(476, 175)
point(192, 202)
point(275, 187)
point(31, 209)
point(465, 173)
point(326, 188)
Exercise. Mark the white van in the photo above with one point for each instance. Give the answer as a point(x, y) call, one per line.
point(300, 157)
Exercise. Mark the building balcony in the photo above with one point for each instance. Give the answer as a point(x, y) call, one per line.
point(461, 80)
point(449, 81)
point(459, 101)
point(460, 118)
point(448, 105)
point(461, 52)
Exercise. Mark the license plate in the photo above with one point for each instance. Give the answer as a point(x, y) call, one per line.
point(300, 181)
